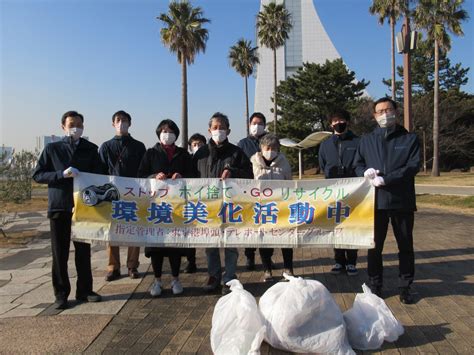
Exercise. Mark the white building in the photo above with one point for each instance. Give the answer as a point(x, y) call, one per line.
point(6, 155)
point(308, 42)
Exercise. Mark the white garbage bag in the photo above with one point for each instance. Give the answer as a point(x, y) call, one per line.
point(237, 324)
point(369, 322)
point(301, 316)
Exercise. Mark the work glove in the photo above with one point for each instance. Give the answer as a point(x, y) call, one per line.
point(371, 173)
point(378, 181)
point(70, 172)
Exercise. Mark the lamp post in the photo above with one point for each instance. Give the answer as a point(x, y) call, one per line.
point(407, 35)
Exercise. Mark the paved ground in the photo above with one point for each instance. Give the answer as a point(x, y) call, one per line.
point(129, 320)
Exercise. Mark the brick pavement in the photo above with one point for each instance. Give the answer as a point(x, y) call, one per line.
point(441, 321)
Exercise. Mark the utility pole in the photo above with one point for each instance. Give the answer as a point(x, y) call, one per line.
point(407, 112)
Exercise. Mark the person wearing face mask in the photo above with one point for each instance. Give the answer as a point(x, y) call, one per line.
point(221, 159)
point(271, 164)
point(251, 145)
point(336, 156)
point(58, 164)
point(195, 142)
point(390, 158)
point(122, 155)
point(166, 161)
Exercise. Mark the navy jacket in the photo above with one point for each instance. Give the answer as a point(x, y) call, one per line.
point(57, 157)
point(336, 155)
point(211, 160)
point(156, 161)
point(250, 145)
point(396, 153)
point(122, 155)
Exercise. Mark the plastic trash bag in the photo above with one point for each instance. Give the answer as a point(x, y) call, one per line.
point(369, 322)
point(301, 316)
point(237, 324)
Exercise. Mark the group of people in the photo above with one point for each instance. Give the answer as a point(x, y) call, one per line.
point(388, 157)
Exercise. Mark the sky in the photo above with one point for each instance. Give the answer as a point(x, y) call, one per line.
point(101, 56)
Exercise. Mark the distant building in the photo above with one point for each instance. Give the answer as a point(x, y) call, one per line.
point(6, 155)
point(43, 141)
point(307, 42)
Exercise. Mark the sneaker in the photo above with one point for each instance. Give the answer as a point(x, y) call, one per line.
point(91, 297)
point(112, 275)
point(60, 303)
point(267, 276)
point(155, 290)
point(289, 272)
point(337, 269)
point(212, 284)
point(376, 290)
point(351, 270)
point(250, 265)
point(191, 268)
point(405, 296)
point(176, 287)
point(133, 273)
point(225, 290)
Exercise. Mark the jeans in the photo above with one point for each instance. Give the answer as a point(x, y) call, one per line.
point(345, 256)
point(214, 263)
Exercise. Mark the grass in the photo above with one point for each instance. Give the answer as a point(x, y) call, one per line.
point(453, 203)
point(454, 179)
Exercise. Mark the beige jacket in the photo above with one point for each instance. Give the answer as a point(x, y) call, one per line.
point(279, 169)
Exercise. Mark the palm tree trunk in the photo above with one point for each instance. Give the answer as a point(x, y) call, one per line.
point(435, 168)
point(274, 91)
point(246, 105)
point(184, 103)
point(392, 33)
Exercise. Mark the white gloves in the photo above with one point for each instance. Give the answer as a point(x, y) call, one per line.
point(371, 173)
point(377, 181)
point(70, 172)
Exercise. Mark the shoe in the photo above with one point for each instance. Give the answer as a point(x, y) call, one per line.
point(351, 270)
point(191, 268)
point(250, 265)
point(133, 273)
point(176, 287)
point(91, 297)
point(289, 272)
point(267, 276)
point(337, 269)
point(225, 290)
point(212, 284)
point(112, 275)
point(405, 296)
point(376, 290)
point(60, 303)
point(155, 290)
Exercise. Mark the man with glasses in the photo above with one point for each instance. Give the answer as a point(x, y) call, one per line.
point(390, 158)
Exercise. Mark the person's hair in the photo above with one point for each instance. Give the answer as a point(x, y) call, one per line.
point(71, 114)
point(170, 124)
point(341, 114)
point(196, 137)
point(220, 117)
point(270, 140)
point(259, 115)
point(123, 114)
point(385, 99)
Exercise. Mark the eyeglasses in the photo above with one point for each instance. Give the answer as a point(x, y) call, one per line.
point(385, 110)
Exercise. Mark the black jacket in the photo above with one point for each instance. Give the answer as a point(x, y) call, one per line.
point(122, 155)
point(156, 161)
point(57, 157)
point(336, 155)
point(396, 153)
point(211, 160)
point(250, 145)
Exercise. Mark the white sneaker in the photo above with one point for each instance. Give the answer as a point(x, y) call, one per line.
point(176, 287)
point(156, 289)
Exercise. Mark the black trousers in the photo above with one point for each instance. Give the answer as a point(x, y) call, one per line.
point(60, 223)
point(191, 255)
point(402, 225)
point(345, 256)
point(250, 253)
point(266, 256)
point(174, 256)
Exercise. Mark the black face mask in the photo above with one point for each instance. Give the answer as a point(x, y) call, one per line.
point(340, 127)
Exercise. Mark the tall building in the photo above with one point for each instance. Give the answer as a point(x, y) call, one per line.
point(308, 42)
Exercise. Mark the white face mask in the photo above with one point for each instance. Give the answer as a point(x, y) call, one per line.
point(195, 149)
point(218, 136)
point(121, 128)
point(386, 120)
point(269, 154)
point(74, 132)
point(256, 130)
point(167, 138)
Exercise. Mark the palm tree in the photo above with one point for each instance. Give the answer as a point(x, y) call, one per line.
point(391, 10)
point(243, 58)
point(437, 17)
point(183, 34)
point(273, 27)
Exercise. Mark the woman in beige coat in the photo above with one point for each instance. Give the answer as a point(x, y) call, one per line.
point(271, 164)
